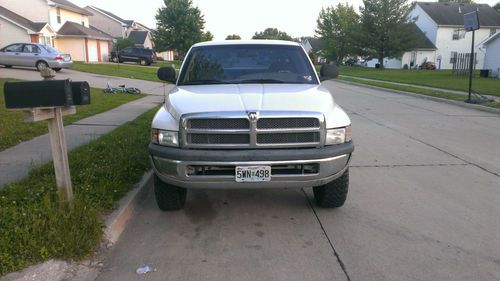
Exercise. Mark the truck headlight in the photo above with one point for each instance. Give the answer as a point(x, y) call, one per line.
point(338, 135)
point(163, 137)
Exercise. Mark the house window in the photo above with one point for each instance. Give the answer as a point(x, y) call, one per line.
point(453, 57)
point(458, 34)
point(58, 15)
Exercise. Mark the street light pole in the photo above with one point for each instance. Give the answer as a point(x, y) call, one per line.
point(471, 68)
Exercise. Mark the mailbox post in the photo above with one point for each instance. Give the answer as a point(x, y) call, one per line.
point(50, 100)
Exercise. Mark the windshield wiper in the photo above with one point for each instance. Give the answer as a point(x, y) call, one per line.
point(260, 81)
point(204, 82)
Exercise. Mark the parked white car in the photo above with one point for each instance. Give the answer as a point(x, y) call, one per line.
point(250, 114)
point(34, 55)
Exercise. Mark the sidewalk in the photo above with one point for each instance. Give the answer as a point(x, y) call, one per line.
point(95, 80)
point(17, 161)
point(495, 98)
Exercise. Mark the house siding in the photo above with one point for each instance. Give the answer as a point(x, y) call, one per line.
point(420, 57)
point(425, 23)
point(492, 57)
point(11, 33)
point(66, 16)
point(446, 45)
point(34, 10)
point(106, 24)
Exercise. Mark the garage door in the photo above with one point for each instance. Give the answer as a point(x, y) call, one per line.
point(92, 45)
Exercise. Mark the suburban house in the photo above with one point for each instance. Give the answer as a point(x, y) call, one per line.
point(65, 27)
point(491, 47)
point(443, 24)
point(117, 27)
point(141, 38)
point(15, 28)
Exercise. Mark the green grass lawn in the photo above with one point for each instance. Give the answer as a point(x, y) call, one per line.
point(443, 79)
point(14, 130)
point(417, 90)
point(35, 228)
point(126, 70)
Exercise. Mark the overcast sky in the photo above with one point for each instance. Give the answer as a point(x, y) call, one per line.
point(242, 17)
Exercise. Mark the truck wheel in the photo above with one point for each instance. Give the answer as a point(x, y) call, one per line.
point(143, 62)
point(332, 194)
point(169, 197)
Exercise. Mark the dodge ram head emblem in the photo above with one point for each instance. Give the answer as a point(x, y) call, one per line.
point(253, 116)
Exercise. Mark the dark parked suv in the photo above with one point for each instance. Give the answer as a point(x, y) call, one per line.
point(140, 55)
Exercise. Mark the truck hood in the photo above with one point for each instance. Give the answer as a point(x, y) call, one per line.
point(255, 97)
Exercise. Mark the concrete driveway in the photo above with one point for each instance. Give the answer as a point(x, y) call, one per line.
point(95, 80)
point(424, 204)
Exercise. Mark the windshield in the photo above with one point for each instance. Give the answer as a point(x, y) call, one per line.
point(245, 64)
point(50, 49)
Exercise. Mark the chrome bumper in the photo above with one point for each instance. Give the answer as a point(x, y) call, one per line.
point(175, 172)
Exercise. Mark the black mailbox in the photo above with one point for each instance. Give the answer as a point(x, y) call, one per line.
point(47, 93)
point(38, 94)
point(81, 92)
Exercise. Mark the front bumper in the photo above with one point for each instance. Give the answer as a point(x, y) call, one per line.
point(175, 166)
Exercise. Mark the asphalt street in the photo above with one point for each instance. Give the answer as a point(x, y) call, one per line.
point(423, 204)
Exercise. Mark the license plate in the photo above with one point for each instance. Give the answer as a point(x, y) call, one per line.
point(253, 173)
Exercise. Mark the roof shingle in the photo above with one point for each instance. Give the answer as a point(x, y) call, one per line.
point(72, 7)
point(78, 30)
point(452, 14)
point(22, 21)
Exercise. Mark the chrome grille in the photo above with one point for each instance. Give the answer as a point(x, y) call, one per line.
point(218, 139)
point(288, 138)
point(222, 124)
point(287, 123)
point(236, 130)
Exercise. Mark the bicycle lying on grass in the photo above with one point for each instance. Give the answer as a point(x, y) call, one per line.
point(121, 89)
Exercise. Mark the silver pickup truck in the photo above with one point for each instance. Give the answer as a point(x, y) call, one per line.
point(250, 114)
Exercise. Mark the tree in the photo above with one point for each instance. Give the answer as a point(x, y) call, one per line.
point(338, 28)
point(386, 30)
point(233, 37)
point(179, 25)
point(272, 34)
point(497, 6)
point(123, 43)
point(207, 36)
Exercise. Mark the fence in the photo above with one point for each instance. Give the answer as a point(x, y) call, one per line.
point(461, 63)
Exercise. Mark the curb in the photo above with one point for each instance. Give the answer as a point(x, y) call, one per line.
point(452, 102)
point(117, 221)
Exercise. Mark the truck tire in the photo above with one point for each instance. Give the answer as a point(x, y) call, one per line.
point(169, 197)
point(332, 194)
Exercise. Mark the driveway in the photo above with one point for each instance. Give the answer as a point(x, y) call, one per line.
point(423, 204)
point(95, 80)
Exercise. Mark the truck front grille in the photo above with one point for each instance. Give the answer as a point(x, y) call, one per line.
point(238, 131)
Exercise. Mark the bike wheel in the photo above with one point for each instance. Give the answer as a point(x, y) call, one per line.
point(133, 91)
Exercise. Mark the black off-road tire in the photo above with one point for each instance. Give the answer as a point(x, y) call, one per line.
point(169, 197)
point(332, 194)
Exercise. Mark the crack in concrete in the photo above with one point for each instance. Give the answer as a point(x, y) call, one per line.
point(428, 144)
point(339, 260)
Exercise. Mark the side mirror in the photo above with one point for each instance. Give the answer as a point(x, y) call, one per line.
point(328, 71)
point(166, 74)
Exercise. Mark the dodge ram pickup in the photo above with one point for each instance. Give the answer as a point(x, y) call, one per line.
point(249, 114)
